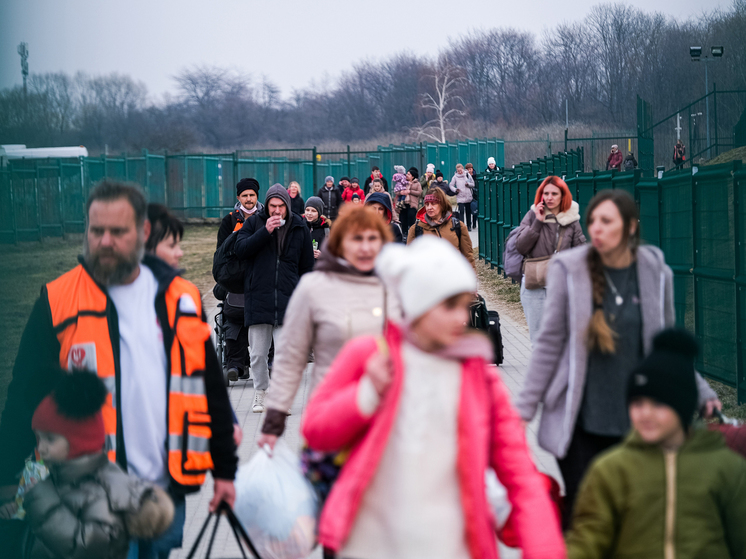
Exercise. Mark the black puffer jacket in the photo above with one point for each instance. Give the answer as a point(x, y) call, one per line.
point(272, 276)
point(89, 508)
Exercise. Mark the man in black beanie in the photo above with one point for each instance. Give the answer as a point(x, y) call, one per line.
point(236, 334)
point(670, 489)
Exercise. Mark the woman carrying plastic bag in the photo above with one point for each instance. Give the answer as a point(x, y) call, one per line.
point(276, 504)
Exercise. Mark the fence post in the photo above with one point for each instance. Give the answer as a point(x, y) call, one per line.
point(349, 167)
point(36, 201)
point(147, 173)
point(83, 195)
point(715, 109)
point(422, 158)
point(62, 203)
point(12, 205)
point(165, 178)
point(313, 166)
point(740, 381)
point(565, 139)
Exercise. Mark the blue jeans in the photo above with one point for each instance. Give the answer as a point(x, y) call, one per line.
point(172, 538)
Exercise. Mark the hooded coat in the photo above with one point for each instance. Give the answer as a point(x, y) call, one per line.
point(384, 199)
point(623, 505)
point(536, 238)
point(277, 261)
point(89, 508)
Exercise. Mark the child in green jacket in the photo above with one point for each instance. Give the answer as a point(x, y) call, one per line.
point(669, 490)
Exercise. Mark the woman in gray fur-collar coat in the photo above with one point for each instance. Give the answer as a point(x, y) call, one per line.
point(605, 303)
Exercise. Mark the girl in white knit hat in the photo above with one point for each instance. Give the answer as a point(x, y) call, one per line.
point(423, 416)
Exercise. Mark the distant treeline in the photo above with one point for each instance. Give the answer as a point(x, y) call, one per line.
point(498, 79)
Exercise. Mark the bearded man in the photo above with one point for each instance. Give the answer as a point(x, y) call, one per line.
point(130, 319)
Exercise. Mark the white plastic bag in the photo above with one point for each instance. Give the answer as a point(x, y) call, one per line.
point(276, 504)
point(497, 497)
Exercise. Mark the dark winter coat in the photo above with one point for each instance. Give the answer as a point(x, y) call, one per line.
point(89, 508)
point(332, 200)
point(271, 276)
point(614, 161)
point(366, 185)
point(228, 225)
point(630, 163)
point(319, 230)
point(384, 199)
point(297, 205)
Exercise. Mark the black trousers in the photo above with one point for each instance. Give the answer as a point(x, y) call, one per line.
point(407, 217)
point(584, 447)
point(465, 215)
point(237, 350)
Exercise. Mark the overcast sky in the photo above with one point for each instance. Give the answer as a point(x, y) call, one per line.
point(290, 42)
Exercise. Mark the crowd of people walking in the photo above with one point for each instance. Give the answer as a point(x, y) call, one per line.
point(119, 398)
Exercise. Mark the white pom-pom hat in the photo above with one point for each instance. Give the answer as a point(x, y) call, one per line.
point(424, 274)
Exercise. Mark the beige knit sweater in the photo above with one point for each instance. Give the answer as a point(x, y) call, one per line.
point(326, 310)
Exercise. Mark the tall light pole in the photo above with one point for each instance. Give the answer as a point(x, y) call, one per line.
point(23, 51)
point(696, 55)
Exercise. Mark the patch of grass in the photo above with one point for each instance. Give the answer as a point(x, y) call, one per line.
point(198, 245)
point(28, 266)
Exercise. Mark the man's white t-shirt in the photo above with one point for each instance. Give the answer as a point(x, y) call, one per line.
point(143, 382)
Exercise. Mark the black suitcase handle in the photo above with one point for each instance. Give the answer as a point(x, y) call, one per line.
point(236, 527)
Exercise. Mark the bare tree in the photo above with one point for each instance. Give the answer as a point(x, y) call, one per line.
point(443, 101)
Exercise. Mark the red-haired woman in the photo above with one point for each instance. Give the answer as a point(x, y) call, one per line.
point(341, 299)
point(551, 225)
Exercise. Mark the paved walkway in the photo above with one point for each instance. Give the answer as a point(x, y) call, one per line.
point(517, 352)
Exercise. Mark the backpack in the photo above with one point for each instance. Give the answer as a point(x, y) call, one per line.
point(512, 259)
point(455, 226)
point(227, 269)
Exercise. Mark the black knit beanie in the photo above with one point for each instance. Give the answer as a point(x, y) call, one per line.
point(667, 374)
point(247, 184)
point(415, 172)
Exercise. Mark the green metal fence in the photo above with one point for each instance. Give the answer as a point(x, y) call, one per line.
point(42, 198)
point(696, 216)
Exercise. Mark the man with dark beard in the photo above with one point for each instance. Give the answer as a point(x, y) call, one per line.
point(140, 327)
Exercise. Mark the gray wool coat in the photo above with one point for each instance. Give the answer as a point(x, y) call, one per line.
point(557, 370)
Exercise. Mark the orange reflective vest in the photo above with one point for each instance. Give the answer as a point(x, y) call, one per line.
point(239, 221)
point(81, 311)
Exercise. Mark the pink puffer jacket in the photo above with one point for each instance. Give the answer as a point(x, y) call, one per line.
point(489, 434)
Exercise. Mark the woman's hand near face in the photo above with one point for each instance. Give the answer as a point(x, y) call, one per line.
point(378, 370)
point(540, 211)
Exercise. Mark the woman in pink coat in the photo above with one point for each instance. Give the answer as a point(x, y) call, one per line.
point(424, 416)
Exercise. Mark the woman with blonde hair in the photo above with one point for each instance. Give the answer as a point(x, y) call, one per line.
point(550, 226)
point(605, 303)
point(297, 205)
point(341, 299)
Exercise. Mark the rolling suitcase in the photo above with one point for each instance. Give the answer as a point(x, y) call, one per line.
point(489, 323)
